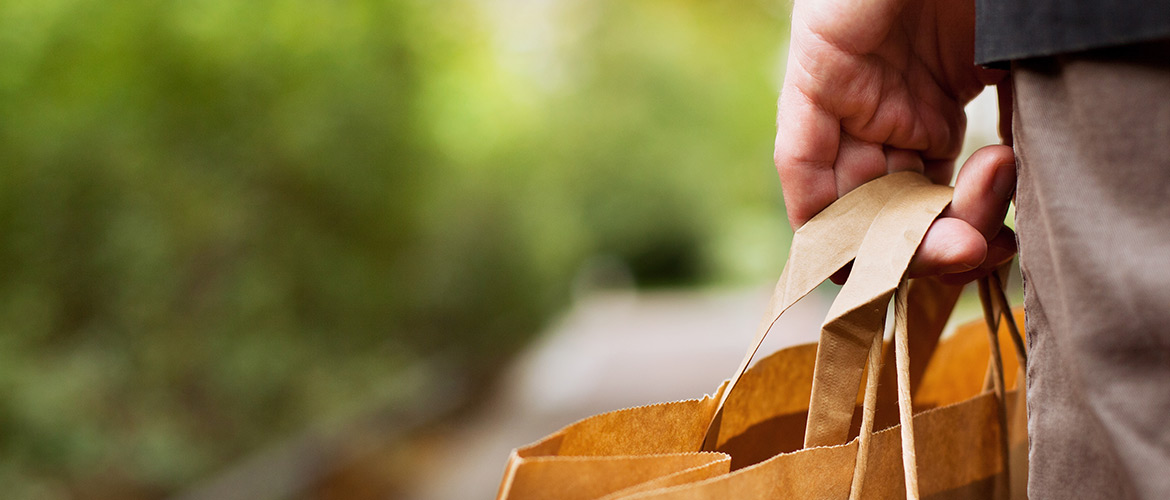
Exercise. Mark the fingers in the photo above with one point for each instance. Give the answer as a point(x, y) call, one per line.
point(903, 160)
point(940, 171)
point(958, 242)
point(950, 246)
point(858, 163)
point(1000, 250)
point(807, 141)
point(984, 189)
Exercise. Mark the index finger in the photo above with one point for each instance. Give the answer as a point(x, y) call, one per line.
point(807, 140)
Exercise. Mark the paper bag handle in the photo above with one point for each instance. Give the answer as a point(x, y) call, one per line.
point(905, 410)
point(995, 306)
point(819, 248)
point(859, 311)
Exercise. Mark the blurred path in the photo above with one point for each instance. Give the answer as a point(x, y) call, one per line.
point(612, 350)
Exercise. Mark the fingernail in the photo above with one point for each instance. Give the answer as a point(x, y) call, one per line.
point(1004, 184)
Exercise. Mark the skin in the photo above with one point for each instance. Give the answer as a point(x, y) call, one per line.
point(879, 86)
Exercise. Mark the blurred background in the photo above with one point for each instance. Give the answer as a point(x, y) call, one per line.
point(296, 249)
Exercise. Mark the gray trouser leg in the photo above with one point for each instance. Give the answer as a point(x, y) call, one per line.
point(1092, 135)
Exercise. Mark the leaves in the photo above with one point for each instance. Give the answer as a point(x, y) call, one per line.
point(227, 221)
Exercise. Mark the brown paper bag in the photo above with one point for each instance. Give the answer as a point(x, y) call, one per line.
point(652, 451)
point(961, 451)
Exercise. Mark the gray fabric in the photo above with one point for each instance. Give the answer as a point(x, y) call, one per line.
point(1092, 136)
point(1018, 29)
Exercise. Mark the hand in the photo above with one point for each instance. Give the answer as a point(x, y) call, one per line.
point(879, 86)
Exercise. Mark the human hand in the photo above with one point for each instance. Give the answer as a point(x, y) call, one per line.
point(879, 86)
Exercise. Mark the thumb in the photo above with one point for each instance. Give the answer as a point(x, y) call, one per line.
point(957, 241)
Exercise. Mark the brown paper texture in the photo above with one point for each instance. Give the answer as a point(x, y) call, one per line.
point(653, 451)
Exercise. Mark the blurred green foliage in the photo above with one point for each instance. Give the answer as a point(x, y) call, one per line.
point(224, 221)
